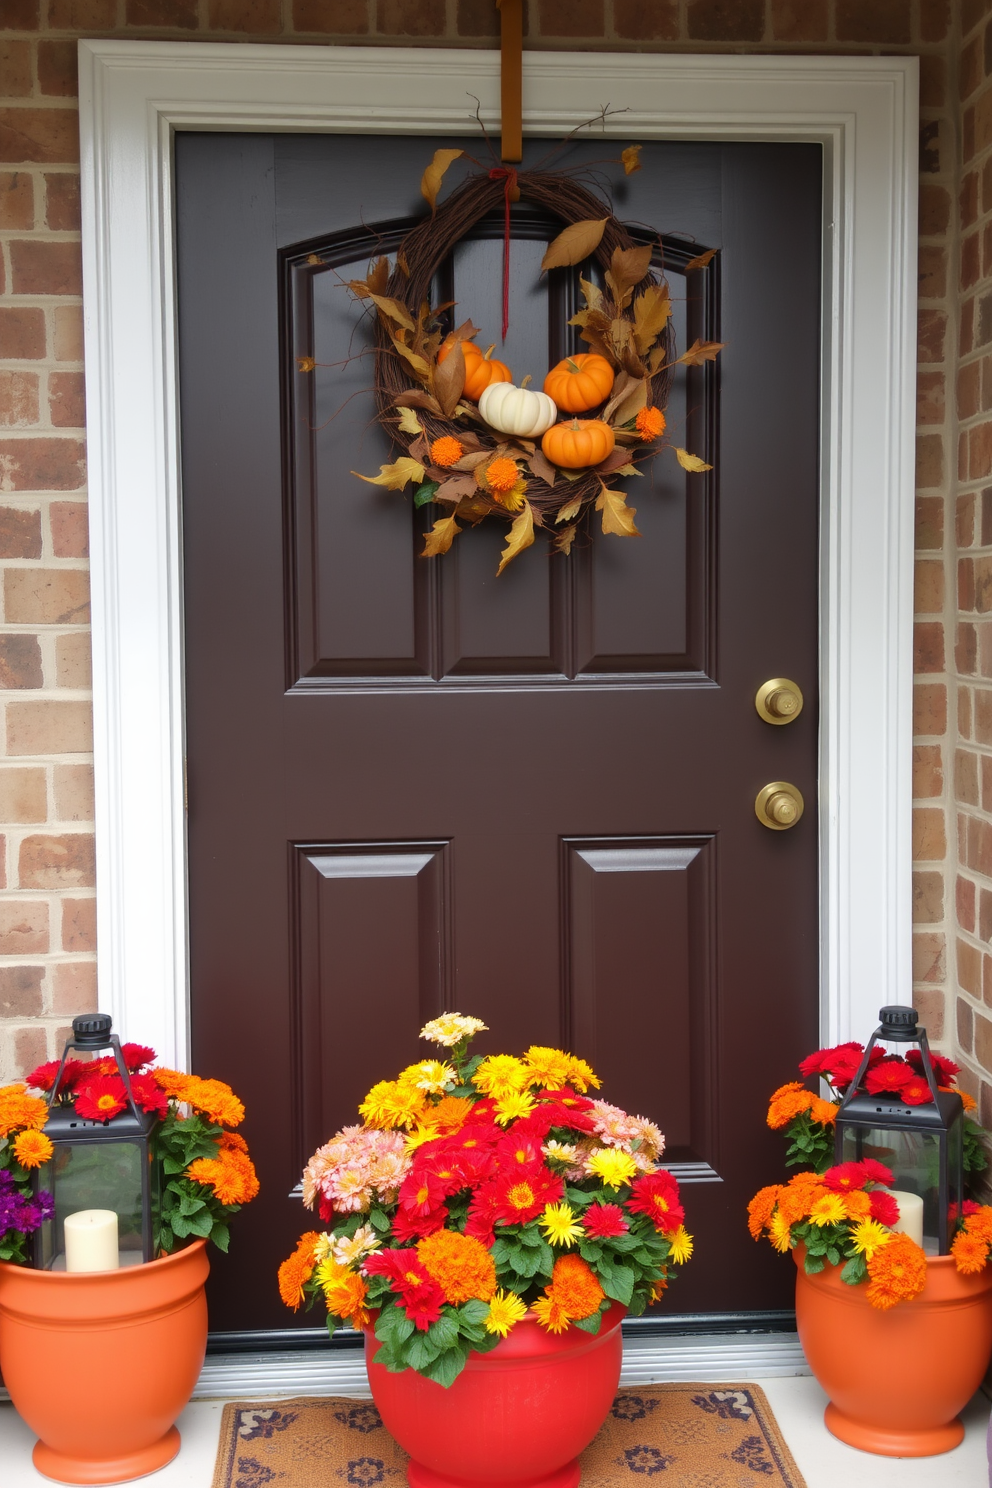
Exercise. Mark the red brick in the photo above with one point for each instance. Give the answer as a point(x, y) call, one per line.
point(933, 272)
point(67, 400)
point(799, 20)
point(20, 15)
point(49, 727)
point(978, 845)
point(935, 209)
point(983, 585)
point(30, 1049)
point(928, 646)
point(874, 20)
point(985, 762)
point(969, 392)
point(928, 898)
point(726, 20)
point(23, 794)
point(425, 17)
point(965, 650)
point(929, 586)
point(964, 520)
point(966, 324)
point(649, 20)
point(22, 333)
point(966, 583)
point(929, 709)
point(930, 398)
point(983, 1041)
point(929, 837)
point(20, 991)
point(928, 773)
point(968, 199)
point(20, 533)
point(63, 862)
point(980, 451)
point(23, 927)
point(935, 17)
point(82, 15)
point(964, 900)
point(928, 957)
point(929, 523)
point(163, 13)
point(74, 792)
point(970, 67)
point(20, 661)
point(970, 270)
point(983, 715)
point(982, 124)
point(73, 661)
point(969, 960)
point(964, 712)
point(46, 596)
point(965, 1025)
point(16, 200)
point(74, 987)
point(42, 464)
point(966, 777)
point(252, 16)
point(40, 267)
point(79, 925)
point(15, 68)
point(931, 331)
point(930, 1006)
point(972, 11)
point(930, 460)
point(18, 399)
point(985, 913)
point(351, 18)
point(47, 136)
point(70, 529)
point(933, 82)
point(62, 201)
point(57, 71)
point(68, 333)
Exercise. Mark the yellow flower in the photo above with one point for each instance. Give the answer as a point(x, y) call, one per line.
point(429, 1075)
point(827, 1209)
point(513, 1105)
point(581, 1075)
point(561, 1152)
point(501, 1074)
point(681, 1243)
point(548, 1067)
point(559, 1225)
point(32, 1148)
point(551, 1314)
point(505, 1310)
point(780, 1232)
point(451, 1029)
point(390, 1104)
point(419, 1136)
point(869, 1236)
point(613, 1167)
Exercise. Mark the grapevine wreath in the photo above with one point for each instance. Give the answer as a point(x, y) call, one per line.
point(473, 443)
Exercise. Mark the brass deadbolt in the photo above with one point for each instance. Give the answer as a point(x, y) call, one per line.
point(779, 701)
point(779, 805)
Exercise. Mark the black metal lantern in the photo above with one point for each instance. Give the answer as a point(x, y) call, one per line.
point(104, 1165)
point(922, 1144)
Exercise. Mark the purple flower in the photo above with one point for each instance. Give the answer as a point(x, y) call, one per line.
point(19, 1211)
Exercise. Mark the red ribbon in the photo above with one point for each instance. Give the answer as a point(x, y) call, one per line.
point(511, 192)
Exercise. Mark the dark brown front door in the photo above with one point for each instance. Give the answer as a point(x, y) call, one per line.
point(413, 786)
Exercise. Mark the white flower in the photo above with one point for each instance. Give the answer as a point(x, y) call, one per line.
point(347, 1252)
point(451, 1029)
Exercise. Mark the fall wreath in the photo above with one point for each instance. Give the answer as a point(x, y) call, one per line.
point(473, 443)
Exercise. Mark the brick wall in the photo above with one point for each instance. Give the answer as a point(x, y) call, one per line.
point(47, 951)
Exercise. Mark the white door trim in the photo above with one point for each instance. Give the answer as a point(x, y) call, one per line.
point(135, 94)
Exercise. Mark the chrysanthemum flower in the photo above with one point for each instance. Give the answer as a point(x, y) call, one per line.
point(560, 1225)
point(650, 422)
point(823, 1111)
point(451, 1029)
point(32, 1148)
point(581, 1075)
point(760, 1209)
point(502, 474)
point(611, 1166)
point(657, 1196)
point(390, 1104)
point(547, 1066)
point(43, 1078)
point(446, 450)
point(979, 1221)
point(562, 1152)
point(501, 1074)
point(788, 1103)
point(19, 1110)
point(604, 1221)
point(681, 1243)
point(869, 1236)
point(344, 1292)
point(231, 1175)
point(858, 1205)
point(101, 1098)
point(550, 1313)
point(897, 1272)
point(844, 1176)
point(215, 1100)
point(460, 1264)
point(519, 1199)
point(297, 1270)
point(346, 1251)
point(449, 1115)
point(970, 1253)
point(828, 1209)
point(430, 1075)
point(514, 1106)
point(780, 1232)
point(505, 1310)
point(575, 1287)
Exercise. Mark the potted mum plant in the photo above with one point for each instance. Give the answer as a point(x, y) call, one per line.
point(488, 1226)
point(898, 1338)
point(116, 1292)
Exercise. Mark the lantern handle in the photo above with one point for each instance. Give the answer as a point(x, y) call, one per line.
point(114, 1044)
point(920, 1037)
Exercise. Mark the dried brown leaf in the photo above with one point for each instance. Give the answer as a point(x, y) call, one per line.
point(701, 261)
point(565, 539)
point(628, 267)
point(618, 517)
point(631, 405)
point(305, 364)
point(621, 387)
point(573, 245)
point(414, 398)
point(454, 488)
point(616, 460)
point(631, 158)
point(394, 477)
point(592, 295)
point(651, 312)
point(472, 458)
point(359, 289)
point(430, 181)
point(473, 508)
point(393, 310)
point(521, 536)
point(449, 379)
point(691, 463)
point(416, 363)
point(409, 422)
point(314, 258)
point(700, 352)
point(620, 336)
point(542, 467)
point(569, 510)
point(379, 276)
point(440, 537)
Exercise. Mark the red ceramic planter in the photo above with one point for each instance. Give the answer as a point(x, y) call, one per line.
point(897, 1379)
point(517, 1417)
point(100, 1364)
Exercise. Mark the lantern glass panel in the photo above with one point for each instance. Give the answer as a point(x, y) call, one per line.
point(99, 1175)
point(914, 1158)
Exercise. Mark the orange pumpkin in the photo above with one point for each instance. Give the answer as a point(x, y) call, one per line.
point(578, 443)
point(580, 382)
point(481, 368)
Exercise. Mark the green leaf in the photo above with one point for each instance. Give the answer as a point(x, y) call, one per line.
point(392, 1325)
point(421, 1351)
point(589, 1324)
point(425, 493)
point(444, 1333)
point(620, 1285)
point(221, 1235)
point(814, 1264)
point(446, 1368)
point(854, 1271)
point(473, 1311)
point(380, 1221)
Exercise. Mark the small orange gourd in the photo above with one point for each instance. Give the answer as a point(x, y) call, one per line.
point(578, 443)
point(580, 382)
point(481, 368)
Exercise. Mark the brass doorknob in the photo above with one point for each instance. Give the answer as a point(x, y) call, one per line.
point(779, 805)
point(779, 701)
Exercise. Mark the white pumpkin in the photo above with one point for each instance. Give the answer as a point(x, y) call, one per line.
point(514, 410)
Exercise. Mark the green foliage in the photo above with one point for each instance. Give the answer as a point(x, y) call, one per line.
point(975, 1158)
point(811, 1144)
point(190, 1210)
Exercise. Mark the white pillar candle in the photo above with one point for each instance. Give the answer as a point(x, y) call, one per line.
point(910, 1221)
point(91, 1241)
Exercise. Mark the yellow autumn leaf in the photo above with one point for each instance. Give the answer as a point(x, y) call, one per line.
point(691, 462)
point(394, 477)
point(314, 258)
point(430, 181)
point(701, 261)
point(521, 536)
point(440, 537)
point(394, 310)
point(618, 517)
point(631, 158)
point(700, 352)
point(565, 539)
point(305, 364)
point(628, 470)
point(417, 363)
point(569, 510)
point(651, 312)
point(574, 244)
point(409, 422)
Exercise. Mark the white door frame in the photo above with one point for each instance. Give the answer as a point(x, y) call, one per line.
point(135, 94)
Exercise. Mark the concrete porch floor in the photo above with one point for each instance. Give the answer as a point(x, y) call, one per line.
point(797, 1402)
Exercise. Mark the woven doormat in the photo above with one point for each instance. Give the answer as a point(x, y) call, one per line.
point(698, 1436)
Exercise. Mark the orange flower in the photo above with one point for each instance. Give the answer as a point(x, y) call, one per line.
point(32, 1148)
point(823, 1111)
point(173, 1082)
point(980, 1224)
point(295, 1272)
point(659, 1289)
point(787, 1104)
point(460, 1264)
point(19, 1110)
point(449, 1115)
point(897, 1272)
point(970, 1252)
point(575, 1287)
point(968, 1101)
point(857, 1204)
point(345, 1298)
point(231, 1175)
point(502, 474)
point(446, 450)
point(550, 1314)
point(798, 1197)
point(759, 1211)
point(650, 422)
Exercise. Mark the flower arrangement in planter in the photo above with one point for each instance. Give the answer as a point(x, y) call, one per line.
point(23, 1148)
point(480, 1191)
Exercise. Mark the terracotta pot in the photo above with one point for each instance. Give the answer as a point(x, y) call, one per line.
point(897, 1379)
point(101, 1363)
point(519, 1415)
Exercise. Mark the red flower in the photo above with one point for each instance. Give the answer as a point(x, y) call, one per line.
point(148, 1094)
point(876, 1172)
point(657, 1196)
point(891, 1075)
point(421, 1297)
point(43, 1078)
point(884, 1207)
point(916, 1092)
point(101, 1098)
point(604, 1220)
point(840, 1063)
point(136, 1056)
point(945, 1069)
point(845, 1176)
point(520, 1151)
point(325, 1208)
point(519, 1197)
point(562, 1108)
point(481, 1220)
point(407, 1227)
point(421, 1192)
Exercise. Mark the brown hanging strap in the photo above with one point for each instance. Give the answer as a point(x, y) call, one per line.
point(511, 14)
